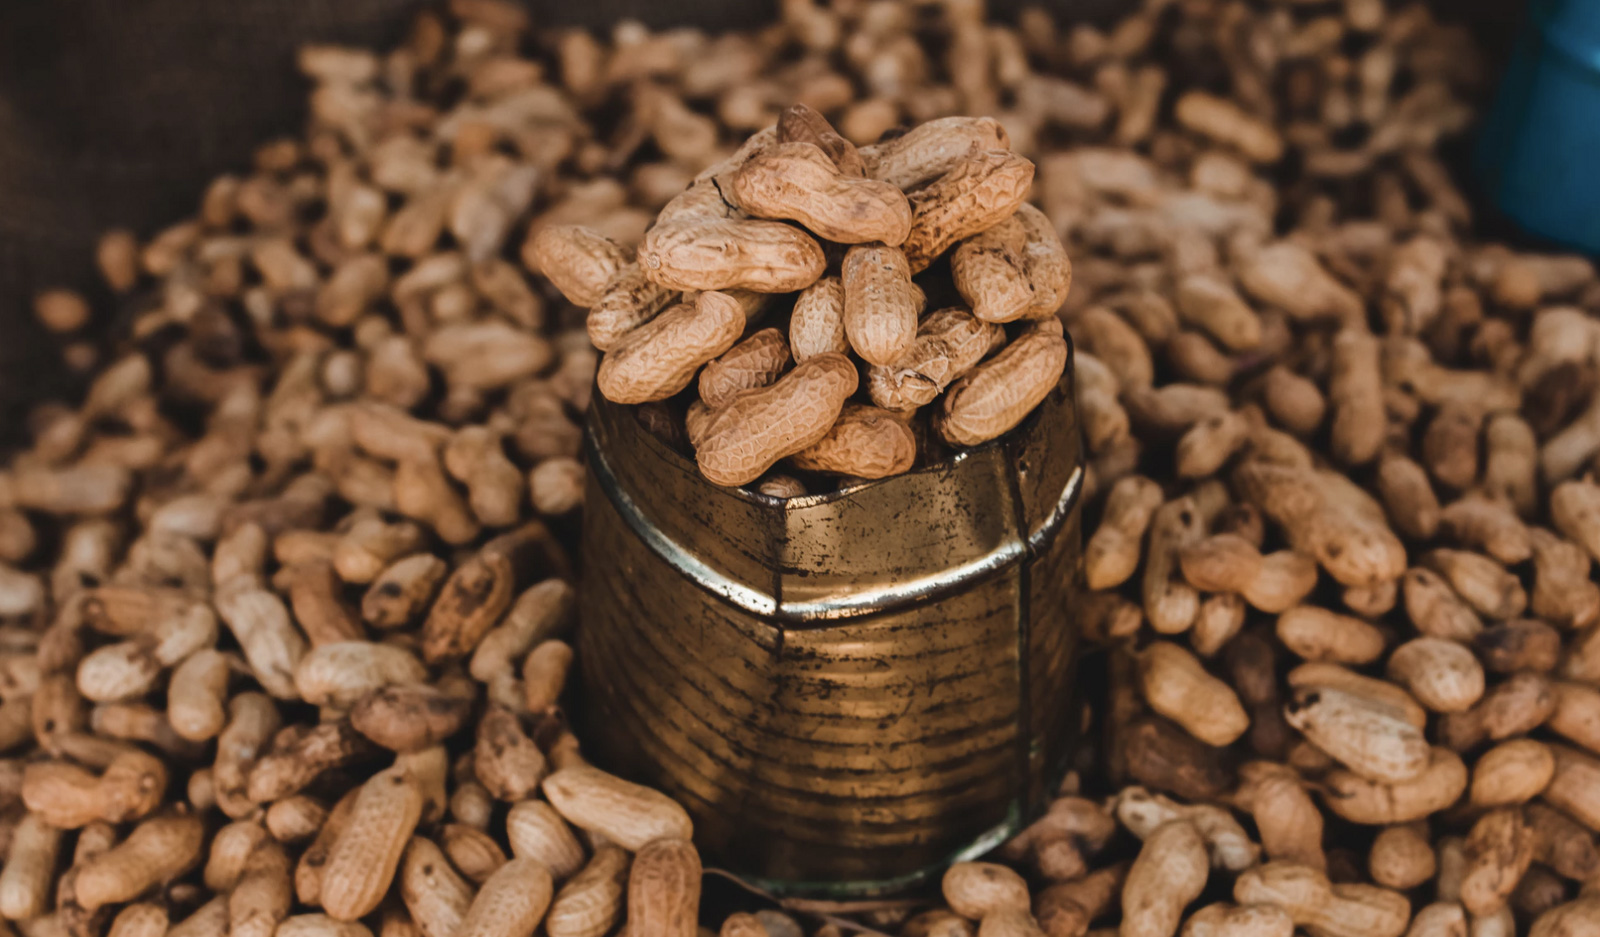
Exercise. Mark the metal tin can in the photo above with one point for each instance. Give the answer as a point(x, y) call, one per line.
point(847, 691)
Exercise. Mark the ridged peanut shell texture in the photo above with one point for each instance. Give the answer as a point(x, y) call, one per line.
point(997, 394)
point(865, 442)
point(763, 256)
point(749, 435)
point(660, 358)
point(798, 182)
point(974, 196)
point(949, 343)
point(881, 304)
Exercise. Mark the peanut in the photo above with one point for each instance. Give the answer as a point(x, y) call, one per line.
point(745, 438)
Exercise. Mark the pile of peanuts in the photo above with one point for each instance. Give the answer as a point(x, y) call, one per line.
point(723, 253)
point(285, 592)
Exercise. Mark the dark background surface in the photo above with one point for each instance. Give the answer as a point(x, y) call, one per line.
point(116, 113)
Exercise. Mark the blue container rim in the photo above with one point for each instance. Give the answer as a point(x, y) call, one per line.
point(1564, 36)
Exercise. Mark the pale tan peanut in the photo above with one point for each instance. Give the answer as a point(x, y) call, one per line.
point(1369, 802)
point(262, 897)
point(973, 196)
point(949, 342)
point(1408, 496)
point(1338, 677)
point(1272, 583)
point(371, 544)
point(314, 859)
point(1323, 908)
point(816, 325)
point(1562, 592)
point(472, 851)
point(196, 695)
point(320, 925)
point(802, 123)
point(1441, 674)
point(1435, 609)
point(1288, 276)
point(435, 895)
point(799, 182)
point(230, 850)
point(511, 903)
point(1369, 737)
point(1355, 390)
point(881, 304)
point(30, 868)
point(1485, 585)
point(1208, 303)
point(592, 901)
point(130, 785)
point(402, 590)
point(555, 486)
point(1575, 510)
point(295, 818)
point(754, 362)
point(1572, 787)
point(1288, 821)
point(1112, 552)
point(341, 673)
point(252, 720)
point(271, 643)
point(995, 396)
point(989, 273)
point(1573, 919)
point(535, 830)
point(1069, 907)
point(1105, 422)
point(140, 919)
point(1294, 401)
point(1499, 850)
point(578, 261)
point(660, 358)
point(974, 889)
point(1489, 525)
point(1227, 843)
point(664, 890)
point(1224, 122)
point(1176, 685)
point(763, 256)
point(1440, 919)
point(544, 674)
point(209, 920)
point(1170, 604)
point(1045, 261)
point(1110, 339)
point(931, 149)
point(158, 850)
point(628, 301)
point(540, 613)
point(1402, 857)
point(1228, 920)
point(1326, 515)
point(508, 763)
point(1316, 634)
point(624, 813)
point(412, 717)
point(1169, 872)
point(744, 439)
point(363, 860)
point(865, 442)
point(475, 456)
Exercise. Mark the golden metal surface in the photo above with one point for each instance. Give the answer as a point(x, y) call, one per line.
point(847, 691)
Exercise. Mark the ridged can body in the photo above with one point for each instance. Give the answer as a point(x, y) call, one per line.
point(849, 690)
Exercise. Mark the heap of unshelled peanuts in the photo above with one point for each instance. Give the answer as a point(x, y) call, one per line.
point(722, 252)
point(283, 653)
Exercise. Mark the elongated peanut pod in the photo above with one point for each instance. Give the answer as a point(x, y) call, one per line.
point(30, 869)
point(763, 256)
point(990, 274)
point(994, 396)
point(1112, 553)
point(1360, 800)
point(1444, 676)
point(1170, 603)
point(578, 261)
point(1169, 872)
point(1045, 261)
point(1224, 121)
point(798, 181)
point(802, 123)
point(535, 830)
point(511, 903)
point(742, 440)
point(974, 195)
point(628, 301)
point(1356, 392)
point(1230, 920)
point(948, 344)
point(660, 358)
point(816, 326)
point(881, 304)
point(1177, 685)
point(196, 694)
point(755, 362)
point(1105, 422)
point(664, 890)
point(1371, 738)
point(625, 813)
point(592, 902)
point(364, 857)
point(1210, 303)
point(341, 673)
point(263, 895)
point(158, 850)
point(865, 442)
point(434, 894)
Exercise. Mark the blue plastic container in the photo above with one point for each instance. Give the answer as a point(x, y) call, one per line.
point(1539, 152)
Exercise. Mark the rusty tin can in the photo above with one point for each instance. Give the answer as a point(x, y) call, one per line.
point(848, 691)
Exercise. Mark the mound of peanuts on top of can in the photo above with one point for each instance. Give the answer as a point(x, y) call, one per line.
point(888, 211)
point(286, 592)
